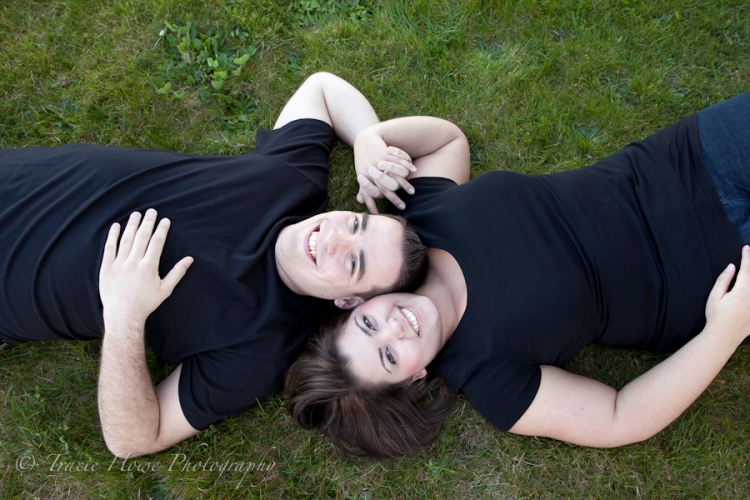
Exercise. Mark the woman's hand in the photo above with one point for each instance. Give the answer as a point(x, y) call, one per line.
point(381, 170)
point(728, 312)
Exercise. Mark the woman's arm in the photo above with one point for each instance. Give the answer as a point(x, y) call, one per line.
point(436, 147)
point(582, 411)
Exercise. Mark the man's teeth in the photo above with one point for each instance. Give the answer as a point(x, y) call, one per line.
point(313, 243)
point(412, 319)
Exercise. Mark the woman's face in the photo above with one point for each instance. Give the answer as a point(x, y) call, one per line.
point(392, 338)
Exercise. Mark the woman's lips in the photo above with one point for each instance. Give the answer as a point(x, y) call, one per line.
point(411, 318)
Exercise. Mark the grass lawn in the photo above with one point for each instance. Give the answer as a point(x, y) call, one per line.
point(537, 86)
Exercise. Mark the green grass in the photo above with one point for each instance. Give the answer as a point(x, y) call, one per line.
point(538, 86)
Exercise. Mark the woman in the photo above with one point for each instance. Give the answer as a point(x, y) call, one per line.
point(527, 270)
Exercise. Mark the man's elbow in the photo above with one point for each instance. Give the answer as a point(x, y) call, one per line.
point(127, 451)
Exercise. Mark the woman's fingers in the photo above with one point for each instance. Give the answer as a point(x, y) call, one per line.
point(741, 285)
point(722, 284)
point(393, 198)
point(393, 169)
point(744, 272)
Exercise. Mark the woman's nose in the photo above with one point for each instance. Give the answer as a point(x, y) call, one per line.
point(397, 328)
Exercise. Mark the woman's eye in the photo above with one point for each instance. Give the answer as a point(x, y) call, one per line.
point(390, 356)
point(368, 323)
point(354, 264)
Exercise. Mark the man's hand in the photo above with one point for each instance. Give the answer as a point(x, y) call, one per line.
point(136, 420)
point(129, 282)
point(381, 170)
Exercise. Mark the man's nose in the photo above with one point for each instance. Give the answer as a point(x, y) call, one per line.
point(335, 241)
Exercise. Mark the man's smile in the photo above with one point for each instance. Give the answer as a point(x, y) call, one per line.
point(312, 244)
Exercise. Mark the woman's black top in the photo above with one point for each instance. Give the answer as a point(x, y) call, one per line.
point(623, 253)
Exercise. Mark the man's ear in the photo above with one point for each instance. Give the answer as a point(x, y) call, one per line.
point(348, 302)
point(422, 374)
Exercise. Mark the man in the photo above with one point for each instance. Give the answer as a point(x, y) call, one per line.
point(260, 253)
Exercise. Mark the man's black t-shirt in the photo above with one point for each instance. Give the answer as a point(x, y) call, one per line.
point(231, 321)
point(623, 253)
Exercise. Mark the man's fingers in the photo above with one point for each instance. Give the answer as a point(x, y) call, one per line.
point(156, 243)
point(404, 156)
point(368, 200)
point(143, 236)
point(175, 275)
point(367, 186)
point(110, 246)
point(126, 242)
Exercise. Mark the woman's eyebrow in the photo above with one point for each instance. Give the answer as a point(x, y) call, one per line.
point(380, 351)
point(365, 330)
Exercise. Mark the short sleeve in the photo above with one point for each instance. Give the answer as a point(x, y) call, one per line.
point(301, 144)
point(502, 389)
point(224, 382)
point(425, 188)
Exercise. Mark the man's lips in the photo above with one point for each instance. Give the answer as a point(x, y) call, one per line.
point(312, 244)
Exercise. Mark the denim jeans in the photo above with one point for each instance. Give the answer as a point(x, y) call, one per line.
point(724, 130)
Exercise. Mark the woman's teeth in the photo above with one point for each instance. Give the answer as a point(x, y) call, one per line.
point(313, 244)
point(412, 319)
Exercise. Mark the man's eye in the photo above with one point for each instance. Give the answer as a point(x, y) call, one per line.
point(356, 224)
point(368, 323)
point(390, 356)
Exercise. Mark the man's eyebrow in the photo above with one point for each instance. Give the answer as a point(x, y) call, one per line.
point(380, 351)
point(365, 217)
point(361, 265)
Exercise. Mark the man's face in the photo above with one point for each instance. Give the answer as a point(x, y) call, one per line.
point(338, 255)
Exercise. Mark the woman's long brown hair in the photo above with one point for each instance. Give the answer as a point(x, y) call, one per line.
point(379, 421)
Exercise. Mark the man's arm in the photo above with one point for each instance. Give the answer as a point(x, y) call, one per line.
point(582, 411)
point(436, 147)
point(328, 98)
point(136, 418)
